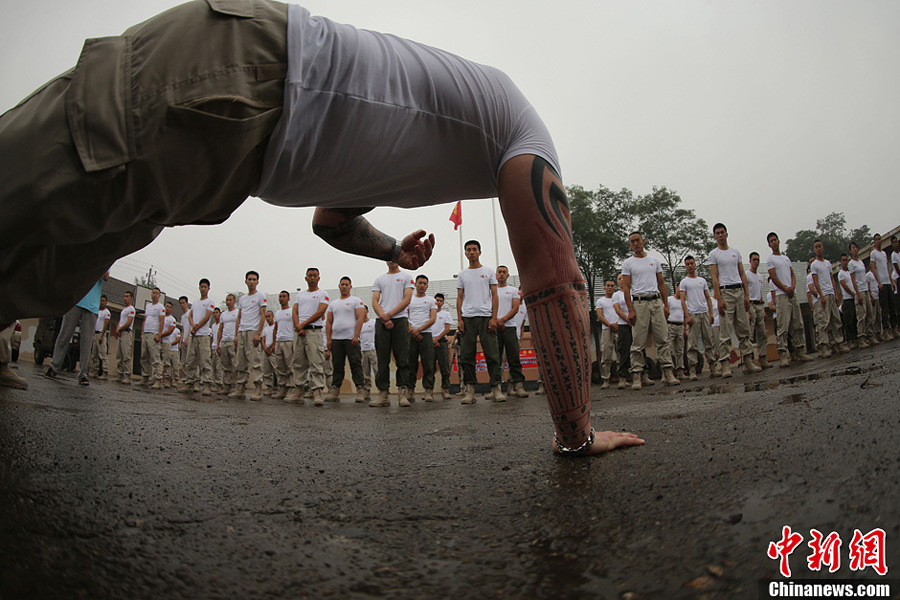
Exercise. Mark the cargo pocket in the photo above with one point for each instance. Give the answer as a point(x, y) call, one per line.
point(98, 104)
point(225, 116)
point(235, 8)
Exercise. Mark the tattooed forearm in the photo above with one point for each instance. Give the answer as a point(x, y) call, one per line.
point(347, 230)
point(555, 198)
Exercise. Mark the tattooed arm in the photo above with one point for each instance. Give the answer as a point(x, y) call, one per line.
point(346, 229)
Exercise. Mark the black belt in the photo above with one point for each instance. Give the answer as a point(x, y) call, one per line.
point(757, 302)
point(676, 322)
point(644, 297)
point(313, 327)
point(731, 286)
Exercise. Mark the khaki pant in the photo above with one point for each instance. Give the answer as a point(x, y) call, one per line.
point(6, 344)
point(138, 136)
point(735, 320)
point(676, 343)
point(171, 364)
point(284, 358)
point(758, 336)
point(369, 367)
point(828, 322)
point(99, 353)
point(442, 358)
point(248, 361)
point(701, 327)
point(268, 368)
point(873, 317)
point(650, 319)
point(862, 314)
point(151, 357)
point(215, 362)
point(227, 359)
point(198, 366)
point(789, 319)
point(124, 350)
point(607, 352)
point(309, 360)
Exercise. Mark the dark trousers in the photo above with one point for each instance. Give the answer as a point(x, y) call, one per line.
point(423, 349)
point(848, 316)
point(623, 350)
point(888, 318)
point(342, 350)
point(442, 356)
point(508, 344)
point(396, 340)
point(477, 327)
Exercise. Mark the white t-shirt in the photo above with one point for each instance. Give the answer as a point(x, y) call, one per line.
point(419, 310)
point(858, 271)
point(308, 304)
point(214, 334)
point(446, 124)
point(128, 311)
point(715, 307)
point(343, 324)
point(229, 320)
point(170, 322)
point(895, 260)
point(199, 308)
point(268, 334)
point(151, 317)
point(873, 285)
point(284, 318)
point(607, 305)
point(392, 287)
point(881, 265)
point(619, 297)
point(476, 285)
point(367, 336)
point(442, 319)
point(782, 265)
point(726, 262)
point(695, 289)
point(505, 297)
point(520, 318)
point(102, 316)
point(811, 288)
point(822, 269)
point(676, 313)
point(643, 274)
point(845, 277)
point(754, 285)
point(250, 307)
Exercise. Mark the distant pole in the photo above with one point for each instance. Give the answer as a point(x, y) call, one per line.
point(461, 249)
point(496, 246)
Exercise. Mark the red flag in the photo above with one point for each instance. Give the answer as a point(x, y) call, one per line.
point(456, 216)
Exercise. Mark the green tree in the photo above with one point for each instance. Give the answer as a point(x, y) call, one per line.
point(148, 280)
point(672, 231)
point(833, 232)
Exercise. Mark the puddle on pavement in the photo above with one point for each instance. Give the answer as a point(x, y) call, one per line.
point(770, 384)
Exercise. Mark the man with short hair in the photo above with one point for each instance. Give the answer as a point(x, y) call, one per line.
point(99, 365)
point(848, 302)
point(125, 336)
point(215, 360)
point(250, 323)
point(422, 314)
point(343, 323)
point(169, 352)
point(677, 324)
point(198, 368)
point(758, 335)
point(391, 294)
point(185, 330)
point(645, 290)
point(151, 341)
point(863, 301)
point(308, 315)
point(508, 301)
point(781, 277)
point(881, 269)
point(623, 337)
point(729, 282)
point(699, 317)
point(439, 331)
point(606, 314)
point(476, 309)
point(829, 336)
point(227, 346)
point(284, 349)
point(267, 341)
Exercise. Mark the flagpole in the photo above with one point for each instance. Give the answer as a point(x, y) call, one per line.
point(461, 249)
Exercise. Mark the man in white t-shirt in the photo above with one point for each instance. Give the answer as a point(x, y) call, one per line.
point(391, 294)
point(185, 329)
point(284, 347)
point(267, 342)
point(476, 311)
point(309, 351)
point(758, 336)
point(227, 346)
point(881, 268)
point(623, 337)
point(790, 319)
point(645, 293)
point(369, 355)
point(198, 363)
point(606, 314)
point(729, 283)
point(873, 318)
point(99, 364)
point(894, 268)
point(215, 359)
point(848, 302)
point(151, 341)
point(700, 318)
point(677, 324)
point(170, 340)
point(124, 333)
point(422, 313)
point(439, 331)
point(863, 300)
point(829, 335)
point(508, 301)
point(251, 320)
point(343, 324)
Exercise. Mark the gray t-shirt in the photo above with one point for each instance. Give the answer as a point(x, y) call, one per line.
point(372, 119)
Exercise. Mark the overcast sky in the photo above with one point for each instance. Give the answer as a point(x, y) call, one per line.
point(764, 115)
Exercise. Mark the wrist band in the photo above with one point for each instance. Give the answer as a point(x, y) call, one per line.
point(575, 451)
point(398, 246)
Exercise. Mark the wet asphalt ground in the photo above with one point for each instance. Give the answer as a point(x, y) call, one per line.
point(113, 492)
